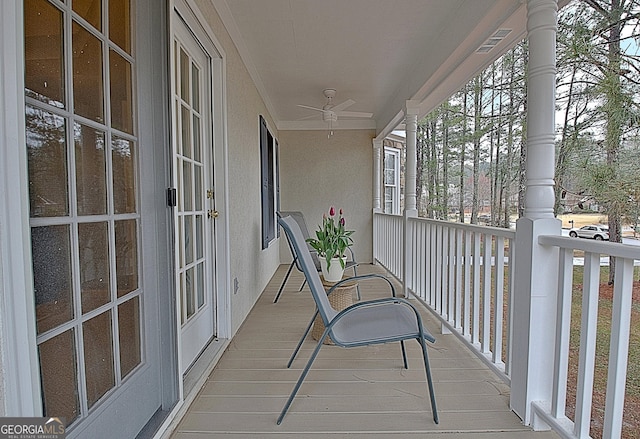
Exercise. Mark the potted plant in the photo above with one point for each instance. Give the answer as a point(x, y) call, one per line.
point(331, 243)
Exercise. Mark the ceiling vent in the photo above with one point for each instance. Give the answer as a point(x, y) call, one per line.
point(493, 40)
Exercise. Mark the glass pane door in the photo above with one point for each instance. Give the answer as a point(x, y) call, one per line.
point(194, 214)
point(82, 156)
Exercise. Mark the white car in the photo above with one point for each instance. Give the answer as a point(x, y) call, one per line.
point(592, 231)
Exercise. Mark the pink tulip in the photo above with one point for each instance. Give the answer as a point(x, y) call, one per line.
point(332, 211)
point(342, 221)
point(341, 211)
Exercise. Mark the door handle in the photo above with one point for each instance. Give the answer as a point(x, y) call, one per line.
point(213, 214)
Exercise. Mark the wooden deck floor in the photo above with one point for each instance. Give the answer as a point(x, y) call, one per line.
point(355, 393)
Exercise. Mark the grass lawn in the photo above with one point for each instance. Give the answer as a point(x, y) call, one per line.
point(631, 419)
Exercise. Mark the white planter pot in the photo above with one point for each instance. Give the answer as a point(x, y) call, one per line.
point(335, 271)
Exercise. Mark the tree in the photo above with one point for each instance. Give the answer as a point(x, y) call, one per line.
point(515, 116)
point(597, 114)
point(616, 78)
point(573, 97)
point(477, 136)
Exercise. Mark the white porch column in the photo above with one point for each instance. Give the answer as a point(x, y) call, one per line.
point(377, 175)
point(536, 267)
point(410, 173)
point(377, 189)
point(411, 122)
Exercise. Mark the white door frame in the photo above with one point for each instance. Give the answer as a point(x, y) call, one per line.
point(19, 370)
point(190, 12)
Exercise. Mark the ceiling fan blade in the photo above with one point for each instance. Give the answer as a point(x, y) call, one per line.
point(353, 114)
point(341, 106)
point(313, 116)
point(312, 108)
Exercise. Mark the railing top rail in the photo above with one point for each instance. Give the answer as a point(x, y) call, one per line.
point(495, 231)
point(391, 215)
point(602, 247)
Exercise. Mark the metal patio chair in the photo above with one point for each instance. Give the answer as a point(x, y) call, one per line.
point(385, 320)
point(299, 218)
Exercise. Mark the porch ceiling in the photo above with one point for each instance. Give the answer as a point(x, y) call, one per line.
point(379, 53)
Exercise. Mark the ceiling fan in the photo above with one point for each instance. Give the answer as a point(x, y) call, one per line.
point(330, 112)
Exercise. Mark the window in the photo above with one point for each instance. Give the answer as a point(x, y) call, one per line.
point(270, 188)
point(391, 179)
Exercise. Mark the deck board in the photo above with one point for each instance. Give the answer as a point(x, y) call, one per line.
point(359, 392)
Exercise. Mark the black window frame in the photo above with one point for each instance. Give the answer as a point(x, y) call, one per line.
point(270, 185)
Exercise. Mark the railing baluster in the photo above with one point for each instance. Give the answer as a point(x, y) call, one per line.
point(400, 253)
point(391, 249)
point(563, 329)
point(412, 237)
point(426, 263)
point(507, 365)
point(619, 348)
point(444, 282)
point(584, 396)
point(420, 259)
point(433, 268)
point(458, 287)
point(450, 270)
point(438, 269)
point(475, 327)
point(466, 327)
point(498, 291)
point(422, 263)
point(486, 295)
point(397, 255)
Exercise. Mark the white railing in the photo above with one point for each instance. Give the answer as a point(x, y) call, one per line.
point(554, 412)
point(461, 272)
point(387, 242)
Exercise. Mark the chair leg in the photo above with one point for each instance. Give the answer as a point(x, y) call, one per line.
point(304, 282)
point(427, 369)
point(284, 281)
point(302, 377)
point(404, 355)
point(355, 273)
point(304, 336)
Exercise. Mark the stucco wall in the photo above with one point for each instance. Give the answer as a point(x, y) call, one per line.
point(317, 172)
point(252, 266)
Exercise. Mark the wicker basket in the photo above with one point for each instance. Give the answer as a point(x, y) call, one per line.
point(340, 298)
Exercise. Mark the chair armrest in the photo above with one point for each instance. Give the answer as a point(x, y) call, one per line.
point(352, 254)
point(360, 277)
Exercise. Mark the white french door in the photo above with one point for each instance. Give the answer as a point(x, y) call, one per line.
point(195, 214)
point(96, 302)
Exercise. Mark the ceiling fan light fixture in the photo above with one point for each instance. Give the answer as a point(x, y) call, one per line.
point(329, 116)
point(331, 113)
